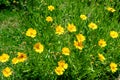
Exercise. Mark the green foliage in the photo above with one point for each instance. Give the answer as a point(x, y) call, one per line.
point(82, 65)
point(13, 4)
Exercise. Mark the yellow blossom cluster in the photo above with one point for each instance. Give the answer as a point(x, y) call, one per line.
point(80, 37)
point(5, 57)
point(20, 58)
point(79, 43)
point(113, 66)
point(7, 71)
point(60, 30)
point(59, 70)
point(38, 47)
point(49, 18)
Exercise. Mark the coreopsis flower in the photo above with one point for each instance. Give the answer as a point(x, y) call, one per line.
point(38, 47)
point(21, 57)
point(101, 57)
point(51, 8)
point(78, 45)
point(71, 28)
point(111, 9)
point(102, 43)
point(4, 58)
point(92, 26)
point(7, 72)
point(113, 67)
point(113, 34)
point(49, 19)
point(59, 70)
point(62, 64)
point(59, 30)
point(65, 51)
point(31, 32)
point(15, 60)
point(80, 37)
point(83, 17)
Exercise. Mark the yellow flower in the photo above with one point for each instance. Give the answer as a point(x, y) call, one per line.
point(62, 64)
point(65, 51)
point(101, 57)
point(4, 57)
point(111, 9)
point(31, 32)
point(102, 43)
point(61, 67)
point(71, 28)
point(113, 67)
point(92, 26)
point(83, 17)
point(7, 72)
point(113, 34)
point(78, 45)
point(80, 37)
point(59, 30)
point(21, 57)
point(59, 70)
point(38, 47)
point(49, 19)
point(15, 60)
point(51, 8)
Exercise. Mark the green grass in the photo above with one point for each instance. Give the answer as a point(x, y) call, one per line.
point(14, 24)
